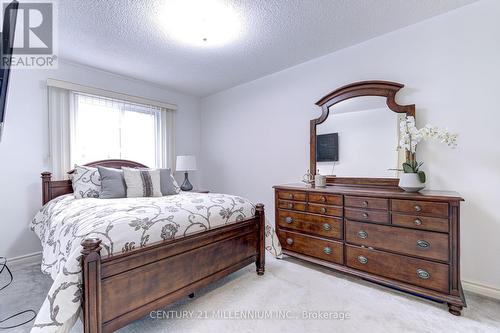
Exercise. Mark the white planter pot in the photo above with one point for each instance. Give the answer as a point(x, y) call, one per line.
point(410, 182)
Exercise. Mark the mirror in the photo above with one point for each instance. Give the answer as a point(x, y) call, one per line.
point(355, 140)
point(359, 138)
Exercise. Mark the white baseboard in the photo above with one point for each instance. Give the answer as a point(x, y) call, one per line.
point(481, 289)
point(31, 258)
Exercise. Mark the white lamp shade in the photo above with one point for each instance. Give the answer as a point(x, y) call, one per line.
point(186, 163)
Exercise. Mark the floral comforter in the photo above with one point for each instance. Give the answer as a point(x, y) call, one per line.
point(122, 225)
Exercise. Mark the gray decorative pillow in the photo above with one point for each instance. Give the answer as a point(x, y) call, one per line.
point(112, 183)
point(168, 185)
point(142, 182)
point(86, 182)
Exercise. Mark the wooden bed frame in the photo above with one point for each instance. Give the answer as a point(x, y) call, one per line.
point(122, 288)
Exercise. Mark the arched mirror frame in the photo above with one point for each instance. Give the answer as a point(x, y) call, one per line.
point(359, 89)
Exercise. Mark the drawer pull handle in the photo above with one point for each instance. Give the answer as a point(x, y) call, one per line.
point(362, 234)
point(423, 274)
point(365, 215)
point(323, 210)
point(290, 205)
point(362, 260)
point(418, 208)
point(289, 241)
point(418, 222)
point(288, 219)
point(364, 204)
point(323, 199)
point(327, 227)
point(327, 250)
point(423, 244)
point(290, 196)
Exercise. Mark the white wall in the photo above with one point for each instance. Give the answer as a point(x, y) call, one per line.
point(24, 147)
point(257, 134)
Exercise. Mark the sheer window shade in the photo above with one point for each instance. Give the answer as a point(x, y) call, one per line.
point(59, 131)
point(85, 128)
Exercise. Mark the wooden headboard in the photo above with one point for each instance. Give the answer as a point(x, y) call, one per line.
point(53, 188)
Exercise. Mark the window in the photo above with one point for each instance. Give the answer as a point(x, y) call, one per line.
point(106, 128)
point(87, 124)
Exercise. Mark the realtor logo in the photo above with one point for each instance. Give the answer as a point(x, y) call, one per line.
point(34, 28)
point(33, 41)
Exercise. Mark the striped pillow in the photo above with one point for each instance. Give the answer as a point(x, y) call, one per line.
point(142, 182)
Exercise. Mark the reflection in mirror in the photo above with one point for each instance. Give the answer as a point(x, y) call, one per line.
point(359, 138)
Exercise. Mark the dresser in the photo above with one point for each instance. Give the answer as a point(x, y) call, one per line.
point(408, 241)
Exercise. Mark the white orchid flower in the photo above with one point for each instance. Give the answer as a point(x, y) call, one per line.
point(410, 135)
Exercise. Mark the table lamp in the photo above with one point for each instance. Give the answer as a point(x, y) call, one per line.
point(186, 163)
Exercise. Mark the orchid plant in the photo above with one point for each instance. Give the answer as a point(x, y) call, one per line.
point(410, 136)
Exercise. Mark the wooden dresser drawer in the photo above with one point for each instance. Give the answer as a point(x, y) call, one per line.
point(312, 246)
point(409, 270)
point(366, 202)
point(420, 207)
point(292, 195)
point(292, 205)
point(330, 199)
point(325, 209)
point(421, 222)
point(313, 224)
point(402, 240)
point(425, 244)
point(367, 215)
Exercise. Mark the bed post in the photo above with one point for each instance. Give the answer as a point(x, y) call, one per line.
point(91, 267)
point(46, 177)
point(261, 244)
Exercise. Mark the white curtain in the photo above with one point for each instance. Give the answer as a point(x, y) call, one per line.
point(84, 128)
point(168, 141)
point(59, 131)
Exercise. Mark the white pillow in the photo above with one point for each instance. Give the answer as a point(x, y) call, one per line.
point(86, 182)
point(142, 182)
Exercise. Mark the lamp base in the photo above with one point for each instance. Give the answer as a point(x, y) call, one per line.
point(186, 186)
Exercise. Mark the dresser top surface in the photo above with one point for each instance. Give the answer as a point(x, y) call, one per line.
point(375, 192)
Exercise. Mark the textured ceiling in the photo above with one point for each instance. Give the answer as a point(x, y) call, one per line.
point(123, 36)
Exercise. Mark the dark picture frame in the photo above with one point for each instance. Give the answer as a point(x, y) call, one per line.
point(327, 147)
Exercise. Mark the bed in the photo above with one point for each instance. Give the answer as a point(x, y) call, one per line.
point(123, 269)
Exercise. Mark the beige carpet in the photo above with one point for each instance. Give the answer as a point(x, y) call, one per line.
point(288, 289)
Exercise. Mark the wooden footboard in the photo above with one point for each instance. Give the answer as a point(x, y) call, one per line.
point(120, 289)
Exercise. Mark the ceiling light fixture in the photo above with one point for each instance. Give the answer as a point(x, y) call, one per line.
point(205, 23)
